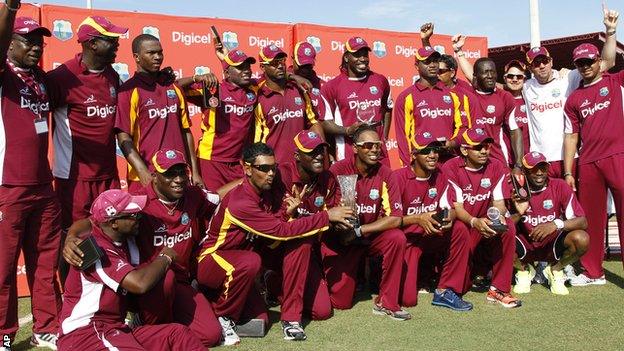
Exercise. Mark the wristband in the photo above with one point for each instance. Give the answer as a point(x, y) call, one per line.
point(460, 54)
point(18, 6)
point(567, 174)
point(472, 221)
point(611, 32)
point(169, 259)
point(558, 223)
point(358, 231)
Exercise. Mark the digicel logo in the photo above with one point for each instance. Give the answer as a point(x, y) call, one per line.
point(162, 112)
point(422, 209)
point(281, 117)
point(395, 82)
point(486, 120)
point(337, 45)
point(391, 144)
point(238, 110)
point(363, 105)
point(471, 199)
point(193, 110)
point(470, 54)
point(262, 42)
point(597, 107)
point(434, 113)
point(172, 240)
point(547, 106)
point(325, 77)
point(190, 38)
point(535, 220)
point(34, 106)
point(101, 111)
point(405, 51)
point(367, 209)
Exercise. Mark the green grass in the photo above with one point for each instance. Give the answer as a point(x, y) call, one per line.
point(590, 318)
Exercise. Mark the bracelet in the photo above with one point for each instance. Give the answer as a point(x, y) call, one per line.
point(610, 32)
point(472, 221)
point(567, 174)
point(559, 223)
point(10, 8)
point(169, 259)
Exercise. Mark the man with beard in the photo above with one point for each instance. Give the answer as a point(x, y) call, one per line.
point(249, 215)
point(30, 211)
point(379, 208)
point(424, 193)
point(551, 227)
point(356, 96)
point(428, 105)
point(152, 115)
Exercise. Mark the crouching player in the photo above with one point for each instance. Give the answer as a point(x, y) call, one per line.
point(424, 195)
point(551, 227)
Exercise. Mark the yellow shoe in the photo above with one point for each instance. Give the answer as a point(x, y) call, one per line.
point(556, 280)
point(523, 280)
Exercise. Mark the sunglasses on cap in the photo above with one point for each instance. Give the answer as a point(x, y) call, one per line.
point(428, 150)
point(540, 60)
point(484, 146)
point(584, 62)
point(368, 144)
point(516, 76)
point(265, 168)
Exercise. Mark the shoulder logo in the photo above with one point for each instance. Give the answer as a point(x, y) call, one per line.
point(604, 91)
point(161, 229)
point(353, 95)
point(379, 49)
point(548, 204)
point(485, 183)
point(62, 30)
point(228, 99)
point(272, 110)
point(230, 40)
point(585, 103)
point(316, 42)
point(91, 99)
point(25, 91)
point(373, 90)
point(149, 102)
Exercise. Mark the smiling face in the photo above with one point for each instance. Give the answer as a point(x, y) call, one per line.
point(514, 79)
point(426, 159)
point(477, 155)
point(541, 67)
point(312, 162)
point(357, 62)
point(588, 68)
point(239, 75)
point(367, 147)
point(537, 176)
point(26, 50)
point(171, 183)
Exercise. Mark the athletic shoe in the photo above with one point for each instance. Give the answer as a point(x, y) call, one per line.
point(44, 340)
point(230, 337)
point(424, 291)
point(583, 280)
point(448, 298)
point(293, 331)
point(556, 280)
point(400, 315)
point(505, 299)
point(569, 272)
point(539, 273)
point(523, 280)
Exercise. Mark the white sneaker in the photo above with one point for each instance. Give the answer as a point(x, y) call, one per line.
point(583, 280)
point(44, 340)
point(569, 272)
point(230, 337)
point(523, 280)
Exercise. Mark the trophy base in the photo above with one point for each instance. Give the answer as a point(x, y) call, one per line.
point(499, 228)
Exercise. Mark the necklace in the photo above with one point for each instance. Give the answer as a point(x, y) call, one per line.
point(167, 205)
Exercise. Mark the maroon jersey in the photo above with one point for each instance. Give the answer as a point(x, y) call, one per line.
point(377, 194)
point(95, 294)
point(522, 122)
point(84, 105)
point(321, 194)
point(477, 188)
point(555, 201)
point(226, 129)
point(465, 93)
point(24, 111)
point(154, 114)
point(422, 195)
point(596, 112)
point(419, 109)
point(280, 117)
point(491, 111)
point(244, 215)
point(346, 96)
point(179, 226)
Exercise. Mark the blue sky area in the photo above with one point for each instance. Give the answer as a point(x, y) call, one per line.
point(504, 22)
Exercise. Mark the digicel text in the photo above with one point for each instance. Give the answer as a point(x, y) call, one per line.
point(363, 105)
point(238, 110)
point(422, 209)
point(162, 112)
point(188, 39)
point(101, 111)
point(471, 199)
point(547, 106)
point(597, 107)
point(171, 240)
point(434, 113)
point(261, 42)
point(535, 220)
point(281, 117)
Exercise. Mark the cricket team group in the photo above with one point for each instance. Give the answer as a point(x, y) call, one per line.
point(288, 198)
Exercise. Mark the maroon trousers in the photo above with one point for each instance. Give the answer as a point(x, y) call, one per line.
point(216, 174)
point(30, 220)
point(341, 264)
point(76, 197)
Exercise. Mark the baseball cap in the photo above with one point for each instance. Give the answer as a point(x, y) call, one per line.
point(165, 159)
point(115, 202)
point(236, 58)
point(535, 52)
point(424, 140)
point(307, 141)
point(585, 51)
point(515, 63)
point(270, 53)
point(305, 54)
point(532, 159)
point(356, 43)
point(426, 52)
point(25, 25)
point(94, 26)
point(475, 136)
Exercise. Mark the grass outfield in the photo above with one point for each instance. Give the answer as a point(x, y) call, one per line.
point(590, 318)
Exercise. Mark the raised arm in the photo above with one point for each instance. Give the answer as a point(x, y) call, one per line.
point(7, 20)
point(610, 18)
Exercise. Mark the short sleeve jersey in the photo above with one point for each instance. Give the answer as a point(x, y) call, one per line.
point(84, 105)
point(491, 111)
point(596, 112)
point(522, 121)
point(154, 114)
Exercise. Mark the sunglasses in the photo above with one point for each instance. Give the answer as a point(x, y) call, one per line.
point(444, 70)
point(176, 172)
point(539, 61)
point(368, 144)
point(584, 62)
point(516, 76)
point(480, 147)
point(130, 216)
point(110, 40)
point(277, 62)
point(265, 168)
point(428, 150)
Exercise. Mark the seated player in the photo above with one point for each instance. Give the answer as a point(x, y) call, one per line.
point(551, 227)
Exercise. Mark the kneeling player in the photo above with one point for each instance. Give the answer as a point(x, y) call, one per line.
point(551, 227)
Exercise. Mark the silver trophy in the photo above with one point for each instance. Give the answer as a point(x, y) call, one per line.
point(349, 194)
point(494, 215)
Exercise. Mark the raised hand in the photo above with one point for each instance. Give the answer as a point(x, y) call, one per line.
point(426, 30)
point(458, 41)
point(610, 18)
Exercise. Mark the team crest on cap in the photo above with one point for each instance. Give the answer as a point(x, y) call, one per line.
point(374, 194)
point(379, 49)
point(298, 100)
point(185, 219)
point(604, 91)
point(171, 93)
point(316, 91)
point(272, 47)
point(555, 92)
point(170, 154)
point(447, 99)
point(152, 31)
point(440, 49)
point(319, 201)
point(121, 69)
point(485, 183)
point(359, 40)
point(374, 90)
point(312, 135)
point(62, 30)
point(535, 49)
point(113, 91)
point(432, 192)
point(316, 42)
point(548, 204)
point(230, 40)
point(427, 135)
point(251, 96)
point(110, 211)
point(479, 131)
point(491, 109)
point(307, 51)
point(535, 154)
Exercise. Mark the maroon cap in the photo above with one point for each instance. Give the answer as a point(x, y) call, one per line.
point(515, 63)
point(236, 58)
point(307, 141)
point(356, 43)
point(425, 52)
point(475, 136)
point(532, 159)
point(585, 51)
point(424, 140)
point(165, 159)
point(116, 202)
point(25, 25)
point(535, 52)
point(305, 54)
point(96, 26)
point(270, 53)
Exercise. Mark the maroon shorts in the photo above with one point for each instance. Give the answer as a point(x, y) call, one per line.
point(550, 249)
point(216, 174)
point(76, 196)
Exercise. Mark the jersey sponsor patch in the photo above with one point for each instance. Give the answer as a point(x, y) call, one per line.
point(171, 93)
point(548, 204)
point(486, 183)
point(604, 91)
point(185, 219)
point(374, 194)
point(373, 89)
point(432, 192)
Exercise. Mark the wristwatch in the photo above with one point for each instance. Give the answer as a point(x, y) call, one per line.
point(559, 223)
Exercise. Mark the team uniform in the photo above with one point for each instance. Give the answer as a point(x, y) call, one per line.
point(95, 307)
point(29, 209)
point(476, 189)
point(544, 109)
point(377, 196)
point(278, 118)
point(85, 165)
point(227, 264)
point(519, 115)
point(154, 114)
point(226, 129)
point(345, 96)
point(595, 113)
point(555, 201)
